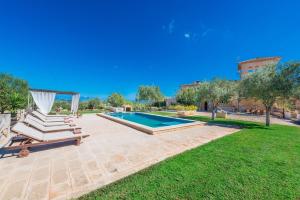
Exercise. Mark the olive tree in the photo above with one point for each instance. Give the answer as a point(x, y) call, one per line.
point(216, 92)
point(187, 96)
point(13, 93)
point(66, 105)
point(94, 103)
point(288, 75)
point(116, 100)
point(150, 94)
point(271, 83)
point(238, 93)
point(296, 93)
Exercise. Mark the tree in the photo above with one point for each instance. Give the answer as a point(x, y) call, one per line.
point(150, 94)
point(271, 83)
point(83, 105)
point(94, 103)
point(237, 93)
point(65, 105)
point(215, 92)
point(13, 93)
point(289, 78)
point(296, 93)
point(187, 96)
point(116, 100)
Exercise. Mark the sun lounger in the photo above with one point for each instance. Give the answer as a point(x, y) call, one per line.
point(29, 121)
point(28, 137)
point(46, 124)
point(51, 119)
point(62, 116)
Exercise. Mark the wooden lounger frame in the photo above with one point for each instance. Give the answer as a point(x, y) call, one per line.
point(25, 142)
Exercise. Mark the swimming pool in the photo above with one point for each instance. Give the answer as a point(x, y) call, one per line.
point(153, 121)
point(149, 123)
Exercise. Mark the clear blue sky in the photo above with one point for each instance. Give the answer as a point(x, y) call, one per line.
point(99, 47)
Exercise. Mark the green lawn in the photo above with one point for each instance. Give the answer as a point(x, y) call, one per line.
point(164, 113)
point(254, 163)
point(80, 111)
point(90, 111)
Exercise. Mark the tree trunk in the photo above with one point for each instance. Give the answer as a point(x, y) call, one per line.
point(268, 113)
point(213, 113)
point(283, 113)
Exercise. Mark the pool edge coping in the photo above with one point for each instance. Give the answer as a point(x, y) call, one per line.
point(150, 130)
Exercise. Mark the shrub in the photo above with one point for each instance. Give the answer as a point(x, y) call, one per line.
point(140, 107)
point(191, 108)
point(182, 108)
point(13, 93)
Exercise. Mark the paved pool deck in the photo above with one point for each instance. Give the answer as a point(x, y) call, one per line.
point(112, 151)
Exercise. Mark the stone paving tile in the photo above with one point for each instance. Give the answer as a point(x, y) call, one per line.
point(15, 190)
point(60, 176)
point(113, 151)
point(40, 174)
point(60, 191)
point(21, 173)
point(38, 191)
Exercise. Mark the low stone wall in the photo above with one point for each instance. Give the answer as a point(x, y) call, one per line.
point(186, 113)
point(5, 120)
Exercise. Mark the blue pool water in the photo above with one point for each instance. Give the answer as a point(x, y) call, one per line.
point(153, 121)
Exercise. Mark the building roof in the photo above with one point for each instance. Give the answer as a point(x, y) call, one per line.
point(274, 58)
point(196, 83)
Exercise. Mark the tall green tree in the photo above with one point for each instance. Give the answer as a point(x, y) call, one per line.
point(66, 105)
point(238, 93)
point(116, 100)
point(296, 93)
point(216, 92)
point(150, 94)
point(13, 93)
point(271, 83)
point(187, 96)
point(94, 103)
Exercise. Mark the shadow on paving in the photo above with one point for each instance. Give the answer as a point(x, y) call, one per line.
point(11, 153)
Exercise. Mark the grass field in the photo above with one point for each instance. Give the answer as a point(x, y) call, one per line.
point(80, 111)
point(254, 163)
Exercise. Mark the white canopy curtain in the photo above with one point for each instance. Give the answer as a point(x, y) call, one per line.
point(43, 100)
point(75, 103)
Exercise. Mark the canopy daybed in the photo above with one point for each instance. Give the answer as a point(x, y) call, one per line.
point(44, 99)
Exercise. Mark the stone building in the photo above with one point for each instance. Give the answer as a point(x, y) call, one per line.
point(194, 84)
point(248, 105)
point(249, 66)
point(252, 65)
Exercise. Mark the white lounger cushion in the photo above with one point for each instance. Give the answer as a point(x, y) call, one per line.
point(45, 119)
point(63, 116)
point(42, 128)
point(59, 135)
point(46, 123)
point(21, 128)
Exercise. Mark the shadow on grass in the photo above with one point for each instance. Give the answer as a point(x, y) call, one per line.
point(228, 122)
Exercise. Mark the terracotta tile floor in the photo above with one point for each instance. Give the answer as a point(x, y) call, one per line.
point(112, 152)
